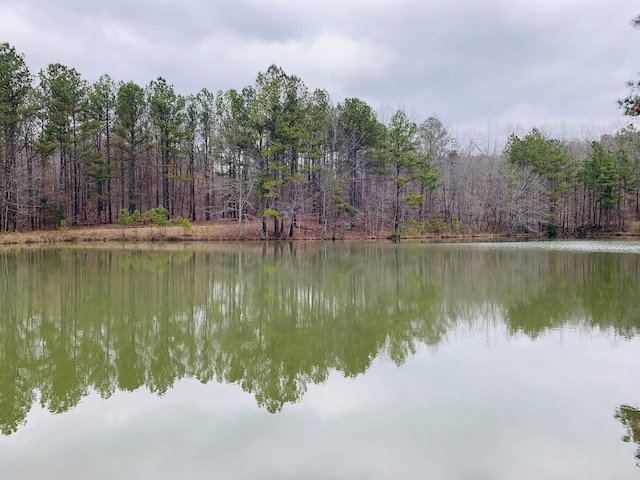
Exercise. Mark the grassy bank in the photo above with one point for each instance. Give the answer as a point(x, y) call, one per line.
point(228, 231)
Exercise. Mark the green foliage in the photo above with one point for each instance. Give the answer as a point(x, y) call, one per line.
point(554, 230)
point(609, 172)
point(157, 216)
point(631, 103)
point(183, 222)
point(166, 109)
point(340, 199)
point(274, 146)
point(400, 151)
point(275, 117)
point(600, 174)
point(399, 156)
point(271, 213)
point(436, 226)
point(63, 93)
point(15, 86)
point(137, 217)
point(15, 83)
point(548, 158)
point(414, 200)
point(52, 215)
point(360, 125)
point(440, 226)
point(421, 227)
point(425, 173)
point(270, 188)
point(127, 219)
point(400, 231)
point(130, 108)
point(102, 99)
point(630, 417)
point(124, 218)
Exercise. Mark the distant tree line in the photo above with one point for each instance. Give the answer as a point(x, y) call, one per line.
point(86, 153)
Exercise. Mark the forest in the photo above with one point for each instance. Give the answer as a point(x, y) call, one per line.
point(74, 153)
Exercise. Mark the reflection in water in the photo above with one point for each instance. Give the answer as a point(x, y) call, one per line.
point(275, 318)
point(630, 418)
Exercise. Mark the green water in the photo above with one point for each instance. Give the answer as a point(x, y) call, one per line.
point(325, 361)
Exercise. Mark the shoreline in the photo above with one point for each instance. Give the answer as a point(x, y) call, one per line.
point(228, 232)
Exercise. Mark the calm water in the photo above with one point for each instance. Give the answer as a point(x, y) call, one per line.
point(320, 361)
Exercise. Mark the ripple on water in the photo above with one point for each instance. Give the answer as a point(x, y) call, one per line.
point(587, 246)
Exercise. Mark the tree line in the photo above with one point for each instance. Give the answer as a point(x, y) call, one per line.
point(80, 153)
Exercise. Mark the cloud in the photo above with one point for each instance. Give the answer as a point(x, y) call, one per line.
point(519, 62)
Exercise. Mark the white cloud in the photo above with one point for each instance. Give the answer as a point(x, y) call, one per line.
point(474, 62)
point(15, 25)
point(122, 37)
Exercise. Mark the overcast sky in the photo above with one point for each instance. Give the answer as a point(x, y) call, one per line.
point(475, 64)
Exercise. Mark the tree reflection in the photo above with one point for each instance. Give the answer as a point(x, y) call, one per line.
point(272, 318)
point(630, 418)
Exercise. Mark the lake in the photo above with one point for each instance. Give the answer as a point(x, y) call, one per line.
point(321, 361)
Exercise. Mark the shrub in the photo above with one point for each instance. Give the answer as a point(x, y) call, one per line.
point(554, 230)
point(52, 215)
point(183, 222)
point(157, 216)
point(439, 225)
point(124, 218)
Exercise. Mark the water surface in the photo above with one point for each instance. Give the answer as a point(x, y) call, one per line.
point(492, 361)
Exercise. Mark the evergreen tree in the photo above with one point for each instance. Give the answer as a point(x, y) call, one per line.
point(131, 109)
point(15, 84)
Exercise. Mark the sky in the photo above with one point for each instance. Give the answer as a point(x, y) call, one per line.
point(485, 66)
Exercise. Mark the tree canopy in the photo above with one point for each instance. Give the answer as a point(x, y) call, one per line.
point(275, 152)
